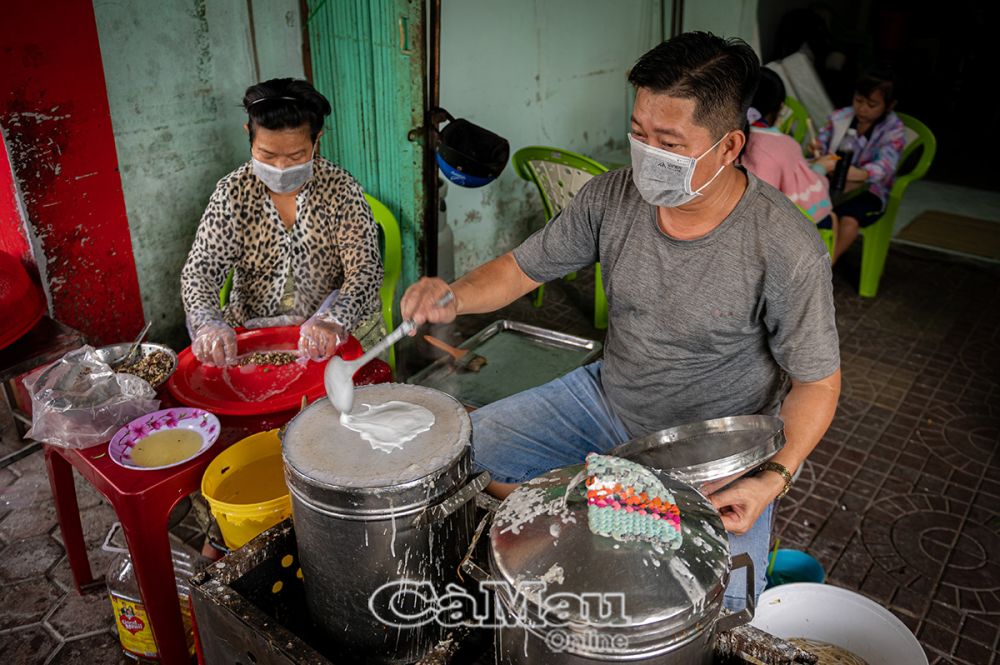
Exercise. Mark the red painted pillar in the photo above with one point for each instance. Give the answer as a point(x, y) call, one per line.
point(55, 116)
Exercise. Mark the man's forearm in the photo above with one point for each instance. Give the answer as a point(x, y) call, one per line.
point(492, 285)
point(807, 412)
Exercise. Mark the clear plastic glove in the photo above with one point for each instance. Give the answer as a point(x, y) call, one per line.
point(320, 336)
point(215, 344)
point(274, 321)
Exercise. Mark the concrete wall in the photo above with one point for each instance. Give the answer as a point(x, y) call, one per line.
point(550, 72)
point(176, 72)
point(726, 18)
point(537, 72)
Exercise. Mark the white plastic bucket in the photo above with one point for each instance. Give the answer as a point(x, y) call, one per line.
point(841, 617)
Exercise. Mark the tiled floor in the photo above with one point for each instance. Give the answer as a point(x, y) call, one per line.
point(42, 618)
point(901, 500)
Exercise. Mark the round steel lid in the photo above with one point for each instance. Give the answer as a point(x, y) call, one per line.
point(540, 534)
point(337, 469)
point(707, 451)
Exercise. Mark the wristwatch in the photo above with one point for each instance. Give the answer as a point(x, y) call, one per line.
point(781, 471)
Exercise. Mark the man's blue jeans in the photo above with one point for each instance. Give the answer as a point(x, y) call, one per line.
point(556, 425)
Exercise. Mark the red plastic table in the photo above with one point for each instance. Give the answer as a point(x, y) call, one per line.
point(142, 500)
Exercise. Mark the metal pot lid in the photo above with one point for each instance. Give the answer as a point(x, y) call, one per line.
point(335, 466)
point(703, 452)
point(538, 534)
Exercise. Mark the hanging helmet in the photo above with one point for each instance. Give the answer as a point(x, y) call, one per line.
point(469, 155)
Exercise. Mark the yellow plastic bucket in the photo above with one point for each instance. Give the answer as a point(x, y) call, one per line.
point(245, 488)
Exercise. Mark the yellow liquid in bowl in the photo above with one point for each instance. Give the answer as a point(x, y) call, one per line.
point(258, 481)
point(165, 448)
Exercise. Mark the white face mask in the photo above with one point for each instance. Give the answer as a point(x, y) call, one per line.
point(283, 181)
point(663, 178)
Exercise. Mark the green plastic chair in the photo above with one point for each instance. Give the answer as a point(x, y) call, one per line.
point(227, 288)
point(795, 125)
point(829, 236)
point(559, 175)
point(392, 263)
point(876, 238)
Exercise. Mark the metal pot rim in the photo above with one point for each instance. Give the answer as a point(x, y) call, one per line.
point(734, 463)
point(382, 498)
point(382, 504)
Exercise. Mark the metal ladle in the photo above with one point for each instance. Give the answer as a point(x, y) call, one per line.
point(339, 375)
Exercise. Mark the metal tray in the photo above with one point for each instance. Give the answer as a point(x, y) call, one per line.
point(113, 352)
point(518, 357)
point(704, 452)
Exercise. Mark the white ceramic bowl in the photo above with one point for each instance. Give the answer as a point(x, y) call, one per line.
point(841, 617)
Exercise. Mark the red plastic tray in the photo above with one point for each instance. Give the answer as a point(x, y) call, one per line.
point(206, 387)
point(23, 302)
point(24, 321)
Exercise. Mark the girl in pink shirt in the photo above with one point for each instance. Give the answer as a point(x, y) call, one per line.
point(777, 159)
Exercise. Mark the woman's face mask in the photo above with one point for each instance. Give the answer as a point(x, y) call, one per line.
point(283, 181)
point(663, 178)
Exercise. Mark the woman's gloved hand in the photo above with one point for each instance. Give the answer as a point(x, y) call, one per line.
point(215, 344)
point(320, 336)
point(273, 321)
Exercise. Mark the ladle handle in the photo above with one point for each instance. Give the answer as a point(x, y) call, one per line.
point(399, 333)
point(404, 329)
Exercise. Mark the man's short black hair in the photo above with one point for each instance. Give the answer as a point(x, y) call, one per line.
point(285, 103)
point(720, 75)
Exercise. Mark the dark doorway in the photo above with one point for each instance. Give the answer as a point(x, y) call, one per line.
point(944, 54)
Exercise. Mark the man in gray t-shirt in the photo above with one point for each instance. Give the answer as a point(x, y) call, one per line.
point(718, 288)
point(702, 328)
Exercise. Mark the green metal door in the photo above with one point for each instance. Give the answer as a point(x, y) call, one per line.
point(368, 59)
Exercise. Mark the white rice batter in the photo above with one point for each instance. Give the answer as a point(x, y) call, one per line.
point(319, 446)
point(389, 426)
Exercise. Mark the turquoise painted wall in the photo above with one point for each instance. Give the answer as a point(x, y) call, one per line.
point(367, 58)
point(537, 72)
point(176, 72)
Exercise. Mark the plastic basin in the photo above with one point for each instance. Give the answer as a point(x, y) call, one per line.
point(841, 617)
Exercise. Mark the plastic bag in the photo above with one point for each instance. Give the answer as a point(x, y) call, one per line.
point(79, 401)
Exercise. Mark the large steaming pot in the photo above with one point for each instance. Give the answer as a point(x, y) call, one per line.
point(669, 600)
point(366, 520)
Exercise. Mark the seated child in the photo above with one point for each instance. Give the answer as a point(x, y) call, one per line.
point(880, 141)
point(777, 159)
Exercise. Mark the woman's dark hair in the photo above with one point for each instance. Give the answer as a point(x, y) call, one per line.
point(719, 74)
point(770, 94)
point(285, 104)
point(878, 78)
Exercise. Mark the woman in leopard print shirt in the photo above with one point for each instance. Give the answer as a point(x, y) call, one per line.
point(296, 231)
